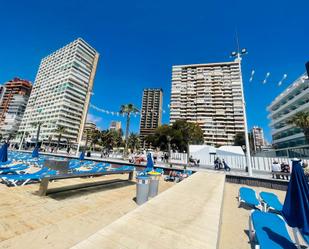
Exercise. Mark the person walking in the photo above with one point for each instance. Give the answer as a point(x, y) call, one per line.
point(216, 162)
point(165, 157)
point(155, 157)
point(226, 167)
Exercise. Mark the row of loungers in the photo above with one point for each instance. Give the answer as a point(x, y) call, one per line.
point(16, 174)
point(267, 227)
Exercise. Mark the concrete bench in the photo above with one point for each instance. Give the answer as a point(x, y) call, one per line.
point(45, 181)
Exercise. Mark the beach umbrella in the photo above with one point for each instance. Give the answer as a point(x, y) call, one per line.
point(82, 156)
point(296, 204)
point(149, 166)
point(35, 152)
point(4, 152)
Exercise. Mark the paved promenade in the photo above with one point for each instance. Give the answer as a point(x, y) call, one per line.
point(185, 216)
point(61, 220)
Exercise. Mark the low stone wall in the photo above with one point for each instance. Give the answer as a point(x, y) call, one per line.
point(258, 182)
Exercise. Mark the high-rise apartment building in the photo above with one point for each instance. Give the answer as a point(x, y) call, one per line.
point(14, 96)
point(89, 128)
point(292, 100)
point(210, 95)
point(61, 92)
point(151, 113)
point(115, 126)
point(258, 138)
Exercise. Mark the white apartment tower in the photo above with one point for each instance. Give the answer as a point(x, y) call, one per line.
point(210, 95)
point(61, 93)
point(292, 100)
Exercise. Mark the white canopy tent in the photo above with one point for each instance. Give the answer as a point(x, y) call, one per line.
point(202, 152)
point(230, 151)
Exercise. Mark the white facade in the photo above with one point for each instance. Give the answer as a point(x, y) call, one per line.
point(293, 100)
point(14, 114)
point(61, 92)
point(210, 95)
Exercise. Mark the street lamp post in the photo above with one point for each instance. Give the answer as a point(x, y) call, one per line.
point(238, 55)
point(79, 138)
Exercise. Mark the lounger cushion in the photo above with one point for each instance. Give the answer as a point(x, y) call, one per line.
point(248, 195)
point(271, 200)
point(270, 231)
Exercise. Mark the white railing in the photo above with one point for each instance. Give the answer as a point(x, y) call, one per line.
point(236, 162)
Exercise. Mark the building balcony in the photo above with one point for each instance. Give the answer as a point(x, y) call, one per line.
point(291, 102)
point(287, 116)
point(285, 139)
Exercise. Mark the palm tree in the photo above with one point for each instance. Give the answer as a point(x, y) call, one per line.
point(38, 125)
point(108, 139)
point(60, 130)
point(127, 110)
point(23, 135)
point(68, 143)
point(134, 141)
point(11, 135)
point(95, 136)
point(50, 138)
point(301, 120)
point(20, 134)
point(88, 136)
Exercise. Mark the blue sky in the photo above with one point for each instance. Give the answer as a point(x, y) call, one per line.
point(139, 41)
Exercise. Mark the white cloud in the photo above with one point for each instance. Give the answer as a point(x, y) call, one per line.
point(94, 119)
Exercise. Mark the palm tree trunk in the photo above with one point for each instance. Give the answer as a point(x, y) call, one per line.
point(38, 134)
point(58, 142)
point(306, 132)
point(127, 133)
point(86, 143)
point(188, 155)
point(49, 142)
point(168, 148)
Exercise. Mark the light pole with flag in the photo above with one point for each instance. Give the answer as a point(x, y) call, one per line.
point(238, 57)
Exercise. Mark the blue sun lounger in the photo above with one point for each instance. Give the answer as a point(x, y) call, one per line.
point(249, 197)
point(271, 202)
point(94, 169)
point(5, 163)
point(269, 231)
point(13, 170)
point(125, 167)
point(12, 166)
point(21, 180)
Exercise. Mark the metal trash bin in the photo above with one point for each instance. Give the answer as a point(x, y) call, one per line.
point(154, 183)
point(142, 189)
